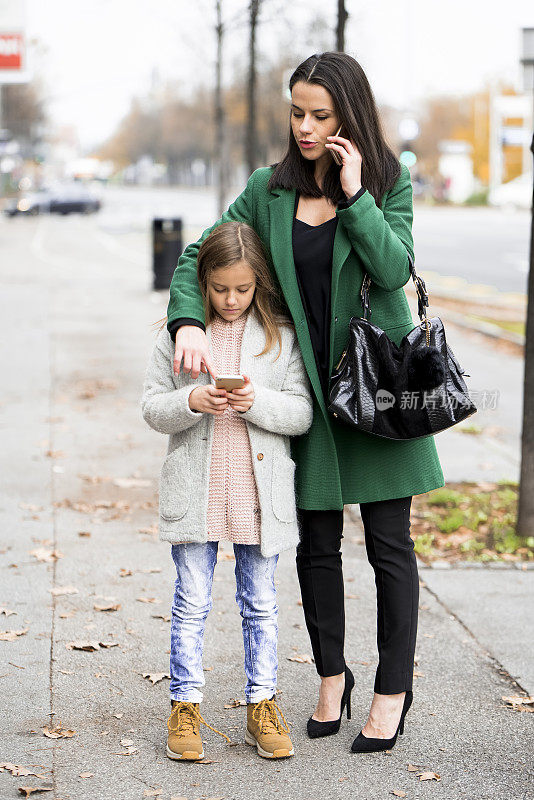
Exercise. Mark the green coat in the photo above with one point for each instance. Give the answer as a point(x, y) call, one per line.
point(335, 464)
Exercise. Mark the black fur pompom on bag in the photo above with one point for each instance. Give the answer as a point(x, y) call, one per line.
point(426, 369)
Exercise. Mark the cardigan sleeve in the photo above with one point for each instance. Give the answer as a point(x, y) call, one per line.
point(185, 299)
point(164, 407)
point(381, 237)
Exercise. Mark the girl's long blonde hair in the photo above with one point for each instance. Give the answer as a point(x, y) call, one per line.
point(228, 244)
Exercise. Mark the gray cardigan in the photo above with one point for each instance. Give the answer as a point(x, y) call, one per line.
point(282, 408)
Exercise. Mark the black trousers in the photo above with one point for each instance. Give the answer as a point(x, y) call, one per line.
point(390, 553)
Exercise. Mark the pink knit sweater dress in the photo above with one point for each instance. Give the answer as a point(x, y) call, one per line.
point(233, 503)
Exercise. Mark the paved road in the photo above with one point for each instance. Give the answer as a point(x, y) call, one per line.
point(483, 246)
point(77, 458)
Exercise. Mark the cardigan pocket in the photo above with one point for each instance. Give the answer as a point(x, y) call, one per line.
point(283, 489)
point(175, 484)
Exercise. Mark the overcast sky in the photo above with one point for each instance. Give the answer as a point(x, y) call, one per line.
point(99, 53)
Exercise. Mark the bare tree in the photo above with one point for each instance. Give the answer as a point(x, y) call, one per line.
point(220, 133)
point(251, 135)
point(342, 16)
point(525, 510)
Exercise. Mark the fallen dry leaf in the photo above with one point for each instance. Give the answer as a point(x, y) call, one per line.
point(90, 646)
point(10, 636)
point(125, 572)
point(28, 790)
point(58, 732)
point(164, 617)
point(130, 751)
point(155, 677)
point(86, 774)
point(151, 569)
point(148, 600)
point(6, 611)
point(520, 703)
point(152, 530)
point(418, 674)
point(398, 793)
point(234, 703)
point(107, 607)
point(428, 776)
point(17, 771)
point(60, 590)
point(413, 768)
point(119, 715)
point(126, 742)
point(152, 792)
point(45, 555)
point(301, 659)
point(83, 533)
point(55, 454)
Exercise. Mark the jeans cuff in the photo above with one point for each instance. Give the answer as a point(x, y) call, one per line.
point(189, 696)
point(257, 695)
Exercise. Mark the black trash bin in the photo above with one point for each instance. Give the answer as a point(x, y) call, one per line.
point(166, 250)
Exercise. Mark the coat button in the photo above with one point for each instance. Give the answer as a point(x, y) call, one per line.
point(335, 319)
point(260, 456)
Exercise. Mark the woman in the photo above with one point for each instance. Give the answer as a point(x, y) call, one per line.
point(324, 226)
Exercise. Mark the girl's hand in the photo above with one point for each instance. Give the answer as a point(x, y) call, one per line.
point(192, 346)
point(208, 400)
point(351, 171)
point(242, 399)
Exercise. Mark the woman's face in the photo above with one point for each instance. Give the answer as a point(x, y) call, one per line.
point(231, 289)
point(313, 118)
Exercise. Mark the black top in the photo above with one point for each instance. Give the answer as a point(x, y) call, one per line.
point(312, 252)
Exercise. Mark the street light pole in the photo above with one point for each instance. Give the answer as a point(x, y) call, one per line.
point(525, 510)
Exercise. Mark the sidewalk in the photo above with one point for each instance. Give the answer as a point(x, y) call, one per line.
point(78, 459)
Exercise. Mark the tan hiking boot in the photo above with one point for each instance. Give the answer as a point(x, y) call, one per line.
point(266, 731)
point(184, 742)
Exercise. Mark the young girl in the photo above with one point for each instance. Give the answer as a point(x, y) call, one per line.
point(228, 475)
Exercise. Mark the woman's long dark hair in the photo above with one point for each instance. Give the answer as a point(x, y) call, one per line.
point(356, 109)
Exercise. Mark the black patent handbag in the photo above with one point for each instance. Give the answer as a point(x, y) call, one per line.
point(404, 391)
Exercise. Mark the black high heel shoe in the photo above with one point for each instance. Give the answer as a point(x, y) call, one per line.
point(316, 728)
point(366, 744)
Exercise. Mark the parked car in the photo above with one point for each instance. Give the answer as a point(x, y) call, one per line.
point(75, 197)
point(59, 200)
point(513, 194)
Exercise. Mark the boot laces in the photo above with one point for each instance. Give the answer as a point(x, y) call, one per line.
point(186, 718)
point(265, 714)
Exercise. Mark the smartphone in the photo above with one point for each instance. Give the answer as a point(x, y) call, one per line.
point(229, 382)
point(335, 155)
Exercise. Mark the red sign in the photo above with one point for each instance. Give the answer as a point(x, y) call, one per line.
point(11, 51)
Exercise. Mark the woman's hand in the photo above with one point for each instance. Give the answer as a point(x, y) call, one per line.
point(242, 399)
point(351, 171)
point(208, 400)
point(192, 347)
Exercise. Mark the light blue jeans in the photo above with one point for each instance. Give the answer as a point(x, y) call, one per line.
point(256, 599)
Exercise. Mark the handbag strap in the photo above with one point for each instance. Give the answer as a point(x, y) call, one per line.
point(420, 288)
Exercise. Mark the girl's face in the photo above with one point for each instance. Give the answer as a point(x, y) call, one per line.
point(231, 289)
point(313, 118)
